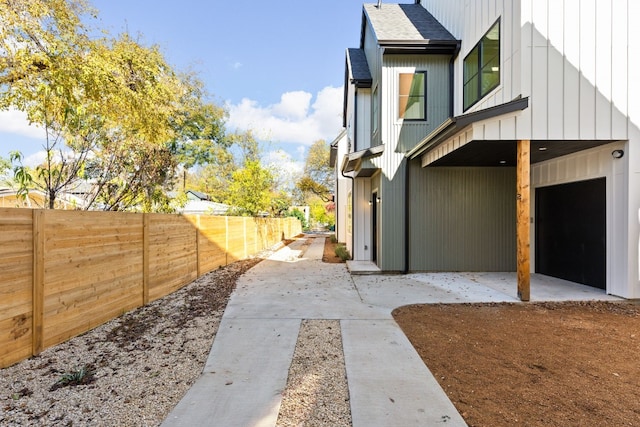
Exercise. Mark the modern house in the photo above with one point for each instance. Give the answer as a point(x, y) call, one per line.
point(487, 135)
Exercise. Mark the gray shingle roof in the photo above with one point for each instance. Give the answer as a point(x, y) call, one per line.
point(357, 62)
point(405, 22)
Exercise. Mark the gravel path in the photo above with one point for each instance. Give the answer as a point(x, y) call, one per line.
point(134, 369)
point(317, 393)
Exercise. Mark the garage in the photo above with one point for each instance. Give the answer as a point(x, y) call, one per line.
point(571, 232)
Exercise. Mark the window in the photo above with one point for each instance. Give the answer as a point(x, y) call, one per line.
point(482, 67)
point(374, 110)
point(411, 97)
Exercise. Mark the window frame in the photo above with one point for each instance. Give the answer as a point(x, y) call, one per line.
point(423, 96)
point(480, 64)
point(375, 110)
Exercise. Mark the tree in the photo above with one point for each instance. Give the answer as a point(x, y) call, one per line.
point(250, 189)
point(116, 114)
point(318, 175)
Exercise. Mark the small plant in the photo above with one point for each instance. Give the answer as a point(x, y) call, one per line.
point(82, 375)
point(334, 239)
point(25, 392)
point(342, 252)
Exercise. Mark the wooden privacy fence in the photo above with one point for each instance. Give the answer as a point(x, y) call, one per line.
point(65, 272)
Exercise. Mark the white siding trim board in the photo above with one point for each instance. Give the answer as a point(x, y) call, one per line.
point(585, 165)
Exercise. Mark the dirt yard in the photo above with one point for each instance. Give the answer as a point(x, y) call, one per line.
point(329, 254)
point(535, 364)
point(543, 364)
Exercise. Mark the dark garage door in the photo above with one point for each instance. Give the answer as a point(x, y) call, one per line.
point(571, 232)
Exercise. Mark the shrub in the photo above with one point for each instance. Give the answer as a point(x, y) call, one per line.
point(297, 213)
point(342, 252)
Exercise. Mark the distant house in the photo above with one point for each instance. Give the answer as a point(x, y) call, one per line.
point(200, 203)
point(36, 199)
point(494, 136)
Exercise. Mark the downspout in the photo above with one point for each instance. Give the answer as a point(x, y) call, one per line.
point(353, 181)
point(352, 209)
point(407, 216)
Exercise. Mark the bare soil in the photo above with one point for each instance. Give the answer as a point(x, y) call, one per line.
point(536, 364)
point(329, 254)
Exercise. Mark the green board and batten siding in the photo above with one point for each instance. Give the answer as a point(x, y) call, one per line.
point(399, 137)
point(462, 219)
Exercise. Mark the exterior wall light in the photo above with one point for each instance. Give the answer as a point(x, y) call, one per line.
point(369, 202)
point(617, 154)
point(378, 199)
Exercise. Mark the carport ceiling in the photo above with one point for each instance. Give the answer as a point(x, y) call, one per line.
point(503, 153)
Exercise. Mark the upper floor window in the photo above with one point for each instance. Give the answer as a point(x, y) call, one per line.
point(375, 110)
point(412, 103)
point(482, 67)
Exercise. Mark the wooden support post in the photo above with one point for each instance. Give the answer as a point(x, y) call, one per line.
point(523, 213)
point(37, 343)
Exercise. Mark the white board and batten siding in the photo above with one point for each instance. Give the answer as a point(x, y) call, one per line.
point(361, 220)
point(576, 61)
point(569, 57)
point(585, 165)
point(363, 124)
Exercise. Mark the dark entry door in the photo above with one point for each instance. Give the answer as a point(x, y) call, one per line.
point(571, 232)
point(374, 227)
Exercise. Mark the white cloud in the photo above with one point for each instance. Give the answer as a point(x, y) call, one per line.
point(35, 159)
point(295, 119)
point(286, 169)
point(301, 150)
point(16, 122)
point(236, 65)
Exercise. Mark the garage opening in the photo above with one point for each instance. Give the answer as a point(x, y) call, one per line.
point(571, 232)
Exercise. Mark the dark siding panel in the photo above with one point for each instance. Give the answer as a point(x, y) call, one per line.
point(462, 219)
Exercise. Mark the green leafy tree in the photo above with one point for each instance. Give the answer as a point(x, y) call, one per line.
point(319, 215)
point(5, 168)
point(250, 190)
point(297, 213)
point(115, 113)
point(318, 178)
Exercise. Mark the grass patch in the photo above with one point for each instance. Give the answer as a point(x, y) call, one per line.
point(342, 252)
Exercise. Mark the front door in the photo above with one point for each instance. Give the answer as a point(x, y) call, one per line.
point(374, 227)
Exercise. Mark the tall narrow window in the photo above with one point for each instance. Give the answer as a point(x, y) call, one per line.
point(482, 67)
point(375, 110)
point(412, 96)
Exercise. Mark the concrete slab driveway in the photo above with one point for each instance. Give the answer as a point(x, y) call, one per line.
point(247, 369)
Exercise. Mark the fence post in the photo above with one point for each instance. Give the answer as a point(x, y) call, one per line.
point(198, 273)
point(37, 343)
point(244, 236)
point(226, 240)
point(145, 259)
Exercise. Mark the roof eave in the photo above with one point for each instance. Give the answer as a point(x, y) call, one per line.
point(454, 124)
point(420, 46)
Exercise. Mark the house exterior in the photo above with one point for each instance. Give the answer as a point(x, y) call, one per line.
point(199, 203)
point(495, 136)
point(37, 199)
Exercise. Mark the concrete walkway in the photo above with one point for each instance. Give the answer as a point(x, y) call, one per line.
point(389, 385)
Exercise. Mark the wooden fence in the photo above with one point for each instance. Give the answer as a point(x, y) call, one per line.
point(65, 272)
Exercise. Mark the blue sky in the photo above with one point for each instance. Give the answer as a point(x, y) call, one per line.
point(277, 66)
